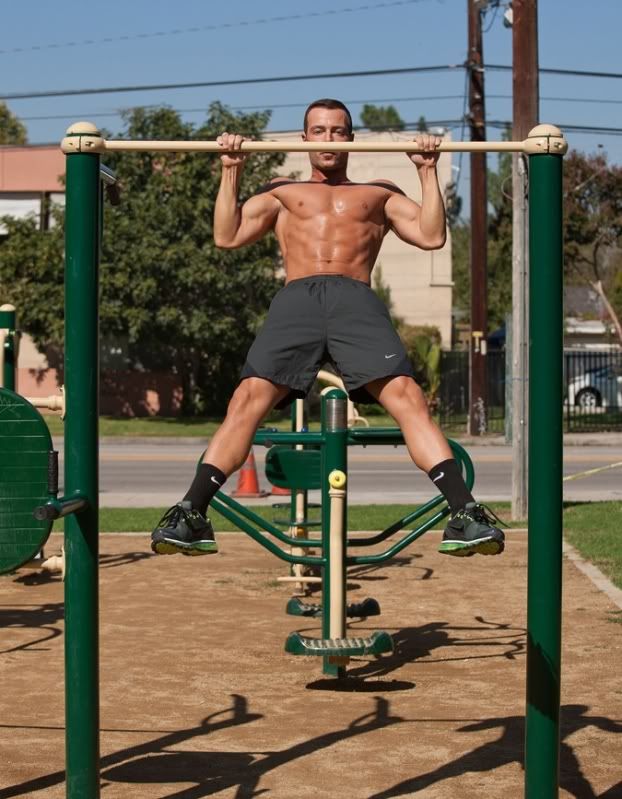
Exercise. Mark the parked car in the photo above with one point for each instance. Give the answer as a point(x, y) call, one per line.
point(599, 387)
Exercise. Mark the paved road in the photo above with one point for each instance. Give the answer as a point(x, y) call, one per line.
point(146, 474)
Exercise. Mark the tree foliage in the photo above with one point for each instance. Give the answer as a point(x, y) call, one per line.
point(593, 228)
point(31, 278)
point(169, 297)
point(592, 236)
point(499, 250)
point(381, 117)
point(12, 131)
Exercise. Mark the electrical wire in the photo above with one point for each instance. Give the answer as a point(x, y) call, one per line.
point(235, 82)
point(272, 106)
point(206, 28)
point(288, 78)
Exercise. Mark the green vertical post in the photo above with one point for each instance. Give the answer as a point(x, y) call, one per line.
point(9, 365)
point(82, 223)
point(545, 471)
point(334, 456)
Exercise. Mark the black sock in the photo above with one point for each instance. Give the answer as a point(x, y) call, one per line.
point(447, 477)
point(207, 481)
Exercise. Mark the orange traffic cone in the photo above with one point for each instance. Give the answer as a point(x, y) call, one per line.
point(277, 491)
point(248, 484)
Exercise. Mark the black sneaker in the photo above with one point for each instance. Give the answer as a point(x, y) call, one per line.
point(472, 530)
point(184, 530)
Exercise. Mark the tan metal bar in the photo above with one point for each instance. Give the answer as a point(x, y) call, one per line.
point(84, 137)
point(337, 494)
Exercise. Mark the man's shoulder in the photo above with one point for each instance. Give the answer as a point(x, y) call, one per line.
point(274, 183)
point(382, 183)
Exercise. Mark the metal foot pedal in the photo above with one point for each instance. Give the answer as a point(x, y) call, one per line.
point(378, 643)
point(357, 610)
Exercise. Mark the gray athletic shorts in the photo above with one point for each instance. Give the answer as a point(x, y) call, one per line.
point(326, 318)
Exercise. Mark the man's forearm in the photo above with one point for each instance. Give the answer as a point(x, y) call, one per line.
point(432, 220)
point(226, 211)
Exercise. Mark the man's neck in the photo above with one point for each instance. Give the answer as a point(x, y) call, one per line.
point(332, 178)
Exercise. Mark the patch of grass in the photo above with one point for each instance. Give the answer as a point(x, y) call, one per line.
point(360, 517)
point(177, 427)
point(593, 528)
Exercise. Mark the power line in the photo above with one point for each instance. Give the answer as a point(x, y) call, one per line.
point(206, 28)
point(272, 106)
point(557, 71)
point(288, 78)
point(237, 82)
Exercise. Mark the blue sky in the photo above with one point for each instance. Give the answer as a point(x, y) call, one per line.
point(42, 48)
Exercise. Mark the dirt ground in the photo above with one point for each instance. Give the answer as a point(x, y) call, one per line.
point(199, 699)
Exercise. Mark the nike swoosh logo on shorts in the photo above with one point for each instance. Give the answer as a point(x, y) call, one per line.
point(436, 479)
point(391, 356)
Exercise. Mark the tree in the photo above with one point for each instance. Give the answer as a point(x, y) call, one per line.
point(379, 117)
point(176, 301)
point(593, 228)
point(499, 249)
point(31, 278)
point(383, 290)
point(11, 129)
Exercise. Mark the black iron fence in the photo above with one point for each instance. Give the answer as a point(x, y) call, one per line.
point(592, 398)
point(454, 391)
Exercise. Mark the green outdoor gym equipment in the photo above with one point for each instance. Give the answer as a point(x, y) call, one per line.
point(325, 454)
point(83, 145)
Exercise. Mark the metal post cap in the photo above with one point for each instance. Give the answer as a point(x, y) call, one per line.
point(83, 129)
point(337, 479)
point(546, 139)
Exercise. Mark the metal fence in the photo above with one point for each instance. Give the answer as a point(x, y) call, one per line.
point(592, 399)
point(454, 391)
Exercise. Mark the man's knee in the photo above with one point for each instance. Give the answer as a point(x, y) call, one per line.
point(403, 393)
point(254, 397)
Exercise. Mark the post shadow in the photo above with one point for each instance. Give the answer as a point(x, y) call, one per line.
point(508, 748)
point(32, 617)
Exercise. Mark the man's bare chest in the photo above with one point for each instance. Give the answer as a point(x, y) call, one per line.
point(356, 202)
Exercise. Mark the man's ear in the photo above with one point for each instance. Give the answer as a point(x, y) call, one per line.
point(304, 136)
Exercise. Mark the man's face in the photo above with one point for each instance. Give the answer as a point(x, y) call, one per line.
point(327, 124)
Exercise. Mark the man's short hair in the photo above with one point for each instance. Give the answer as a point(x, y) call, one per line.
point(327, 102)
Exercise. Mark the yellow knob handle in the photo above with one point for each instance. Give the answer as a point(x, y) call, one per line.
point(337, 479)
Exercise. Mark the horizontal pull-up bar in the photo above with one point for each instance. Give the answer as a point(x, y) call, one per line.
point(83, 137)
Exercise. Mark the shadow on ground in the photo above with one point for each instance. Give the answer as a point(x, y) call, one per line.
point(211, 772)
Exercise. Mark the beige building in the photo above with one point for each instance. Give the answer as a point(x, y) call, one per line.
point(31, 181)
point(420, 281)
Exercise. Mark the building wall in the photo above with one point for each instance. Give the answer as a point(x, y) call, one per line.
point(30, 181)
point(420, 281)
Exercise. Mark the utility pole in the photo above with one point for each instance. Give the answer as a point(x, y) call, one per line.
point(478, 399)
point(525, 93)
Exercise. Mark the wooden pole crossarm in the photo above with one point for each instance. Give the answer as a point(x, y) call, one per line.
point(84, 137)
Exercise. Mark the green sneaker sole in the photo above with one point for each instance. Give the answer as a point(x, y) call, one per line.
point(170, 548)
point(463, 549)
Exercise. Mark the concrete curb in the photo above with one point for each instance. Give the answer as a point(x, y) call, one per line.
point(594, 574)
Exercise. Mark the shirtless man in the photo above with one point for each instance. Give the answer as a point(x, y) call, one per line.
point(330, 231)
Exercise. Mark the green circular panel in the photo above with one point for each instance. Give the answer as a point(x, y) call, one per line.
point(25, 444)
